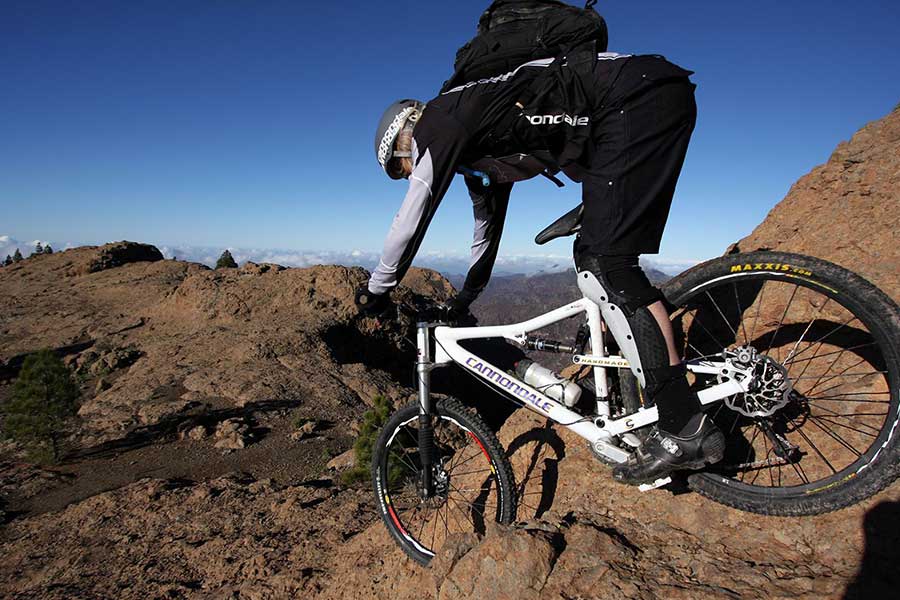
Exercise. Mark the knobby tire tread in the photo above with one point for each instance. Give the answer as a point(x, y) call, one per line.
point(472, 420)
point(861, 297)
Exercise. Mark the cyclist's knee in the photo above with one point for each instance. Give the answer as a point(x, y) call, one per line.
point(623, 280)
point(626, 286)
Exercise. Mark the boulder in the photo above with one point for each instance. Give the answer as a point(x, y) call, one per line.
point(117, 254)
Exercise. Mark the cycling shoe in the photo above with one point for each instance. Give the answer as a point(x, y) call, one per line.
point(664, 452)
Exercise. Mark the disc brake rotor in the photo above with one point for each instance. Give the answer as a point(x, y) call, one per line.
point(770, 386)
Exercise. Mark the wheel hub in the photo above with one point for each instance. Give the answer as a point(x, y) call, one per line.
point(769, 388)
point(441, 482)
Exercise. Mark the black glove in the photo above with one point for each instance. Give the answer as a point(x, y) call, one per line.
point(458, 306)
point(371, 305)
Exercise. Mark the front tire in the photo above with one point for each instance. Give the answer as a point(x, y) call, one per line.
point(475, 479)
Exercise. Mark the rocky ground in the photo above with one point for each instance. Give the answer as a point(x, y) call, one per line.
point(214, 400)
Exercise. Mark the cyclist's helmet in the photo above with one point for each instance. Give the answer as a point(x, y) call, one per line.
point(395, 118)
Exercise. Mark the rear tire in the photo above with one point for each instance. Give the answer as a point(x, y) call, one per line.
point(834, 443)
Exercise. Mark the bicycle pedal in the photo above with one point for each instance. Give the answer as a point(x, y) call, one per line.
point(646, 487)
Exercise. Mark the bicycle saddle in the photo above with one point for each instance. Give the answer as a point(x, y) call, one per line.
point(568, 224)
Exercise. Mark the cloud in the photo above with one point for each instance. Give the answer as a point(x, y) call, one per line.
point(449, 263)
point(670, 266)
point(9, 244)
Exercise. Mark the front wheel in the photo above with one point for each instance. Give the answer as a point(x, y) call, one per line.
point(818, 429)
point(472, 478)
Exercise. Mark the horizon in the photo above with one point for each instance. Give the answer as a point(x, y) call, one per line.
point(451, 266)
point(188, 128)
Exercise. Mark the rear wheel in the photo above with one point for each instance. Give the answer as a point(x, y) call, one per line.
point(472, 476)
point(826, 439)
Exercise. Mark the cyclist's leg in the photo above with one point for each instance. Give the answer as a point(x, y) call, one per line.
point(639, 148)
point(639, 151)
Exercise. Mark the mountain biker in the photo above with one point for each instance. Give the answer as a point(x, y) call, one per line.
point(621, 128)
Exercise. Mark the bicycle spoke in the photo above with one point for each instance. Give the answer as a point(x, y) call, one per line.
point(817, 396)
point(475, 455)
point(816, 421)
point(814, 447)
point(740, 313)
point(805, 331)
point(819, 341)
point(841, 375)
point(798, 468)
point(843, 399)
point(464, 513)
point(759, 299)
point(715, 340)
point(832, 390)
point(750, 451)
point(828, 370)
point(768, 453)
point(433, 531)
point(721, 314)
point(838, 375)
point(856, 347)
point(733, 425)
point(403, 459)
point(781, 321)
point(455, 474)
point(845, 426)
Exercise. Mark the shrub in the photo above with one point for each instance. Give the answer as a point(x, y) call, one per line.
point(226, 261)
point(44, 397)
point(17, 256)
point(373, 421)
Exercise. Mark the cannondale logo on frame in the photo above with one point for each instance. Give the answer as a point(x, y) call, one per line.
point(576, 121)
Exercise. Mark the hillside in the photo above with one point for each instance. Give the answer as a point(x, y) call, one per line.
point(846, 210)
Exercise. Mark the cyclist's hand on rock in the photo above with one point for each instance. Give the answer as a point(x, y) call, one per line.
point(371, 305)
point(458, 310)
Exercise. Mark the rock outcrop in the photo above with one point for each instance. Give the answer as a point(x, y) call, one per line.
point(847, 210)
point(166, 337)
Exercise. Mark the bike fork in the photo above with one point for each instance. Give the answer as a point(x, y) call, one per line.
point(427, 451)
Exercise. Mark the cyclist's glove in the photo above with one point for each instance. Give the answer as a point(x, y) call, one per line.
point(371, 305)
point(458, 306)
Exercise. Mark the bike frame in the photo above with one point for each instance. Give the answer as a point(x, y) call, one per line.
point(599, 430)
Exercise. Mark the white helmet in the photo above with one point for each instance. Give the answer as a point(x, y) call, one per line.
point(395, 118)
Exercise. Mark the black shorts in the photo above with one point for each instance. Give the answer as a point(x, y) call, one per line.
point(639, 145)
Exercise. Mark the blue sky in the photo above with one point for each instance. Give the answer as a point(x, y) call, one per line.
point(231, 123)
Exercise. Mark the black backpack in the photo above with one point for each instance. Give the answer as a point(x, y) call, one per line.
point(513, 32)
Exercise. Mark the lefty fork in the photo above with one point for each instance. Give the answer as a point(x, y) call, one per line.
point(424, 366)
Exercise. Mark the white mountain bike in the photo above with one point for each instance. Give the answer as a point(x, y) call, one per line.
point(795, 359)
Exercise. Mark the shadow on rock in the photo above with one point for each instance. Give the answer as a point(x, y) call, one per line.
point(878, 576)
point(375, 349)
point(168, 428)
point(541, 450)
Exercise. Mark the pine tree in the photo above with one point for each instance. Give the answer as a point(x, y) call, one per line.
point(226, 261)
point(38, 249)
point(8, 261)
point(17, 256)
point(44, 397)
point(48, 249)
